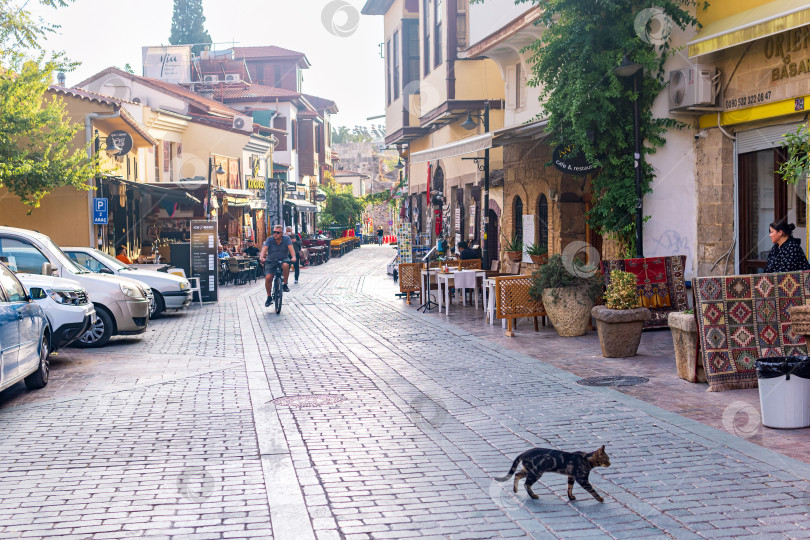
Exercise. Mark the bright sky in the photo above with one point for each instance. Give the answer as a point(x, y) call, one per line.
point(344, 52)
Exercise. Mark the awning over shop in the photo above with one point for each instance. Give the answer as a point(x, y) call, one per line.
point(163, 193)
point(453, 149)
point(301, 206)
point(533, 131)
point(756, 23)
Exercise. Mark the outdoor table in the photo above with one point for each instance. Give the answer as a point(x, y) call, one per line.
point(446, 277)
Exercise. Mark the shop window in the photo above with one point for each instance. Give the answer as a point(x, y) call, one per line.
point(542, 221)
point(517, 218)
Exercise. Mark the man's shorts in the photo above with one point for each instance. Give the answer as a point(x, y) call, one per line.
point(269, 266)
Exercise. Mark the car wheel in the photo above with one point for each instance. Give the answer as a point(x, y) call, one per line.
point(99, 332)
point(39, 378)
point(158, 305)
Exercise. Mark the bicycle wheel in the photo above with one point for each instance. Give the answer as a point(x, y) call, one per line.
point(278, 295)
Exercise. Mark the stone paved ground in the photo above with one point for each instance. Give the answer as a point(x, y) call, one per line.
point(178, 434)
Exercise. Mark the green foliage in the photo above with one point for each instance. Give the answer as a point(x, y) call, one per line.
point(622, 292)
point(343, 134)
point(560, 272)
point(589, 106)
point(537, 250)
point(188, 25)
point(37, 152)
point(515, 244)
point(340, 207)
point(797, 166)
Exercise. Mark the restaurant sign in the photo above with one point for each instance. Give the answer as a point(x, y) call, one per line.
point(255, 182)
point(570, 160)
point(204, 262)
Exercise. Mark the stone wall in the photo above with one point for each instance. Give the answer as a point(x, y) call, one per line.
point(715, 206)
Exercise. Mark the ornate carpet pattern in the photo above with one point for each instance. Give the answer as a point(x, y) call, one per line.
point(742, 318)
point(661, 284)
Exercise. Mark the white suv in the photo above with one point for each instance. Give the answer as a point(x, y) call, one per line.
point(65, 303)
point(122, 305)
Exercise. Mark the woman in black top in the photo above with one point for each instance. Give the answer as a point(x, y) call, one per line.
point(787, 254)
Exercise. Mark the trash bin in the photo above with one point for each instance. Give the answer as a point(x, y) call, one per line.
point(784, 391)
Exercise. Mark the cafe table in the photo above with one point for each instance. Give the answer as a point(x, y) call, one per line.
point(445, 277)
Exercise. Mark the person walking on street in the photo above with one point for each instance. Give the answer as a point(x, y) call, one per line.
point(297, 245)
point(380, 235)
point(277, 248)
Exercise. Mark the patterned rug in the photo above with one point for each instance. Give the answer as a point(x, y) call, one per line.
point(661, 284)
point(742, 318)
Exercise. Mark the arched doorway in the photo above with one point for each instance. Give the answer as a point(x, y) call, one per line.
point(517, 219)
point(542, 221)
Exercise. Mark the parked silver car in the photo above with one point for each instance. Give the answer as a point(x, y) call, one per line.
point(169, 291)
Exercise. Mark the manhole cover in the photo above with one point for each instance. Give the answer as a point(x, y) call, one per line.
point(313, 400)
point(613, 380)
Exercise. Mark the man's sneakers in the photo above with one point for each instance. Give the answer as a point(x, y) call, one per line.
point(285, 288)
point(296, 281)
point(268, 301)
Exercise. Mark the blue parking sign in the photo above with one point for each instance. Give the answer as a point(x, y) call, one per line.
point(100, 213)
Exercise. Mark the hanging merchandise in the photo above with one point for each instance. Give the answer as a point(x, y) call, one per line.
point(122, 195)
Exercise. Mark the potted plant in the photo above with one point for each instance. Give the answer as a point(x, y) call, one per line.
point(568, 289)
point(620, 321)
point(683, 326)
point(513, 249)
point(538, 254)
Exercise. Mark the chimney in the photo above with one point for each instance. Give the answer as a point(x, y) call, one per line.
point(61, 78)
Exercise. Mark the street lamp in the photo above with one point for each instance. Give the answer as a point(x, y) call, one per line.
point(219, 171)
point(630, 69)
point(470, 124)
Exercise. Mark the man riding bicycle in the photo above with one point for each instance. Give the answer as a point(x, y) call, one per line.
point(275, 249)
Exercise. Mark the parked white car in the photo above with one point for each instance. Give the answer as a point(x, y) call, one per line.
point(65, 303)
point(122, 305)
point(169, 291)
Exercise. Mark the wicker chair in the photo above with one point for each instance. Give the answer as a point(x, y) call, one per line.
point(470, 264)
point(410, 279)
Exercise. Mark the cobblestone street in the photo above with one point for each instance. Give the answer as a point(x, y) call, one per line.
point(194, 431)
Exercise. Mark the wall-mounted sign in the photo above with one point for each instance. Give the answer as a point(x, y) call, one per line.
point(320, 197)
point(100, 211)
point(570, 160)
point(122, 140)
point(169, 63)
point(254, 183)
point(291, 187)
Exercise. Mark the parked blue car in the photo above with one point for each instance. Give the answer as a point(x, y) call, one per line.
point(25, 335)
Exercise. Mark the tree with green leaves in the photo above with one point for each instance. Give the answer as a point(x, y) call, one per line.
point(591, 107)
point(341, 207)
point(37, 153)
point(188, 25)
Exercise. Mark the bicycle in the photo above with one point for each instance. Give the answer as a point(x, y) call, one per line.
point(278, 283)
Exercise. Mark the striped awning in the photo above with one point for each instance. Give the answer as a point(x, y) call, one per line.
point(756, 23)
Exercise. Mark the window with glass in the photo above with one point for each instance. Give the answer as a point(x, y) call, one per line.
point(21, 257)
point(15, 292)
point(437, 32)
point(426, 35)
point(518, 219)
point(85, 260)
point(542, 221)
point(388, 92)
point(395, 65)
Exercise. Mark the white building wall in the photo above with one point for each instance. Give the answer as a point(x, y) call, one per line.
point(672, 205)
point(488, 17)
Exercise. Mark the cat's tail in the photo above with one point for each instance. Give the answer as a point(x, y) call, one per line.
point(511, 471)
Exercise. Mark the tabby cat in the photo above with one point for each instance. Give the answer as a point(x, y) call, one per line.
point(575, 465)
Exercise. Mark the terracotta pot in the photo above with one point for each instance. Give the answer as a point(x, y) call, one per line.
point(539, 259)
point(685, 339)
point(514, 256)
point(619, 330)
point(568, 309)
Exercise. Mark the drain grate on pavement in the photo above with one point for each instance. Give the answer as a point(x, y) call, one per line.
point(305, 401)
point(613, 380)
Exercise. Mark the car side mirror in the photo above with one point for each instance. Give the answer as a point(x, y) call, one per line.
point(37, 293)
point(49, 270)
point(105, 270)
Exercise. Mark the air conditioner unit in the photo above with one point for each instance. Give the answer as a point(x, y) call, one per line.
point(245, 123)
point(142, 100)
point(692, 86)
point(211, 79)
point(233, 77)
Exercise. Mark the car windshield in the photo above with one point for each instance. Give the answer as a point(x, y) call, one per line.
point(109, 260)
point(64, 259)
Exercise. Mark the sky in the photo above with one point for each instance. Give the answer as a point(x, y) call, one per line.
point(342, 45)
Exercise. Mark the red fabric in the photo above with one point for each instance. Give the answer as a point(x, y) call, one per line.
point(648, 270)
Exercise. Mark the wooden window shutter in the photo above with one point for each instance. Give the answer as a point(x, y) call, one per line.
point(510, 87)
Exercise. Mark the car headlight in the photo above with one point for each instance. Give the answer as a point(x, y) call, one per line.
point(184, 286)
point(64, 296)
point(131, 291)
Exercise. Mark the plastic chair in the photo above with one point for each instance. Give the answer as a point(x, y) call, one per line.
point(195, 287)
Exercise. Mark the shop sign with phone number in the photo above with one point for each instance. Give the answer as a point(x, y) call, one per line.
point(747, 100)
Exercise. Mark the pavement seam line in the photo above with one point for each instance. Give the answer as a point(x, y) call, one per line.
point(289, 515)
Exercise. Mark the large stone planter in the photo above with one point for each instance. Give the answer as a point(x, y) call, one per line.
point(619, 330)
point(685, 339)
point(568, 309)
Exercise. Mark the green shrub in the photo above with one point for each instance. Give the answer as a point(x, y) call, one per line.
point(622, 292)
point(560, 272)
